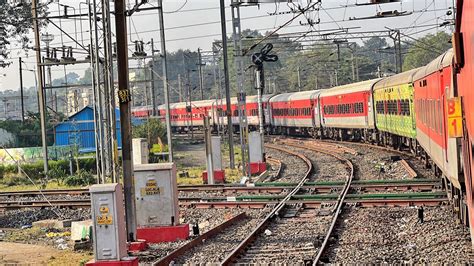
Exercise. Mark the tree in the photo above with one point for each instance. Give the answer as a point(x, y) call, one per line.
point(18, 23)
point(28, 133)
point(425, 49)
point(87, 78)
point(152, 130)
point(72, 78)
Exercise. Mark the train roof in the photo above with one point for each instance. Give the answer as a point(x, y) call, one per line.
point(253, 98)
point(292, 96)
point(248, 99)
point(439, 63)
point(350, 88)
point(194, 104)
point(398, 79)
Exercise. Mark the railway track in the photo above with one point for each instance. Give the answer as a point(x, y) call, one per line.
point(265, 242)
point(261, 194)
point(385, 199)
point(214, 249)
point(372, 185)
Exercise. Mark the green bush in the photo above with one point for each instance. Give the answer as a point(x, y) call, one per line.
point(7, 169)
point(14, 180)
point(34, 170)
point(88, 164)
point(81, 178)
point(58, 170)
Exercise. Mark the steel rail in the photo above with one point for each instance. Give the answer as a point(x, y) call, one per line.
point(362, 202)
point(262, 225)
point(198, 241)
point(264, 186)
point(340, 201)
point(279, 166)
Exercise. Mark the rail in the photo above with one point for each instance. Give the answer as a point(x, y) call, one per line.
point(341, 198)
point(278, 163)
point(197, 241)
point(262, 225)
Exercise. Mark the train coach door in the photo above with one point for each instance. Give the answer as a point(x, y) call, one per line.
point(317, 115)
point(412, 108)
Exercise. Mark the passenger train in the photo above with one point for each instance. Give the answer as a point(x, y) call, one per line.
point(405, 111)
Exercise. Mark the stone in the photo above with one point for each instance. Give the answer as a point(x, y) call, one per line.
point(56, 224)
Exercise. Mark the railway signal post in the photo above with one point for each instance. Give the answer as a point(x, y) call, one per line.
point(258, 59)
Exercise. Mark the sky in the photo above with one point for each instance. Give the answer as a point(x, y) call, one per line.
point(193, 24)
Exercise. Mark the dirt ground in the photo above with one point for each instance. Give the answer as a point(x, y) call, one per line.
point(190, 155)
point(26, 254)
point(14, 253)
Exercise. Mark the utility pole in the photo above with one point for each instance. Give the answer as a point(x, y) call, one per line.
point(201, 81)
point(299, 77)
point(400, 69)
point(227, 85)
point(241, 96)
point(109, 93)
point(316, 82)
point(190, 108)
point(180, 89)
point(395, 36)
point(165, 80)
point(153, 92)
point(125, 117)
point(353, 66)
point(21, 91)
point(357, 68)
point(34, 6)
point(217, 86)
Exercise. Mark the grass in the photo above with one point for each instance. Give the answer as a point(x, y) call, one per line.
point(24, 235)
point(68, 257)
point(50, 185)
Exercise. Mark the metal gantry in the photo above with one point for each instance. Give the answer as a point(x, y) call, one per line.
point(103, 89)
point(239, 66)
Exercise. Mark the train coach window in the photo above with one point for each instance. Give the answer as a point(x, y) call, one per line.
point(361, 107)
point(431, 114)
point(423, 111)
point(379, 107)
point(438, 115)
point(407, 107)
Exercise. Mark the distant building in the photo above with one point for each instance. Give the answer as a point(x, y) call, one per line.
point(6, 137)
point(78, 98)
point(79, 130)
point(11, 107)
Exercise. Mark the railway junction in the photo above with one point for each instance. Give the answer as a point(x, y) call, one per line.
point(322, 138)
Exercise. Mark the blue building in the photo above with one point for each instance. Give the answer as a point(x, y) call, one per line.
point(79, 130)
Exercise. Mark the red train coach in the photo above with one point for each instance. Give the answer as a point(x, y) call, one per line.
point(433, 86)
point(293, 112)
point(347, 111)
point(182, 117)
point(251, 107)
point(142, 111)
point(464, 60)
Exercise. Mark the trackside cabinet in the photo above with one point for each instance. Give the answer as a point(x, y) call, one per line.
point(255, 147)
point(108, 216)
point(156, 195)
